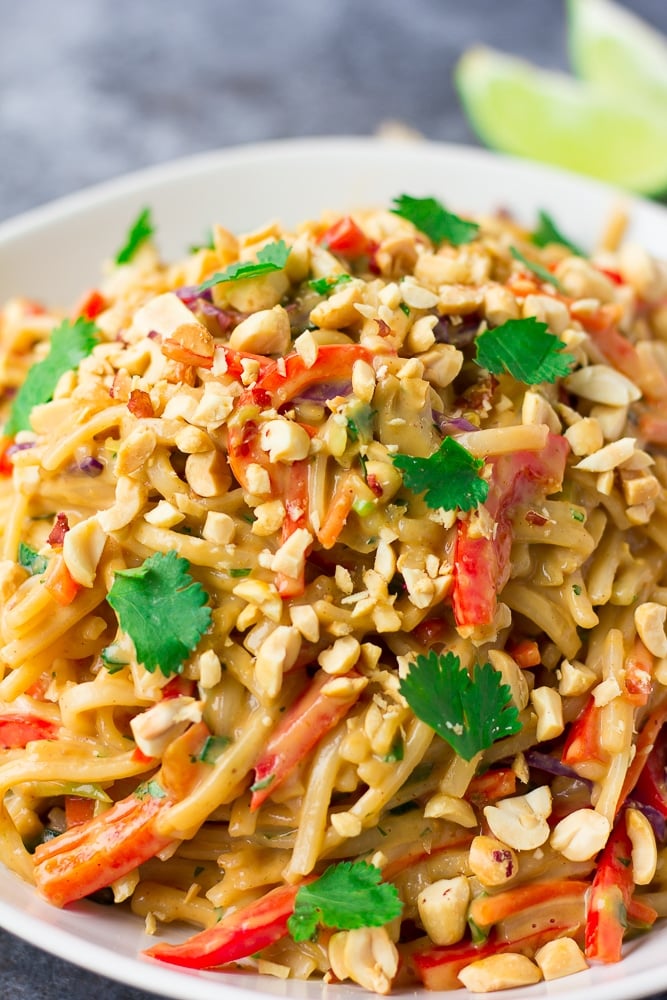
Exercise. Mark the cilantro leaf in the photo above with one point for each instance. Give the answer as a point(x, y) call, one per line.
point(208, 243)
point(325, 285)
point(141, 230)
point(524, 349)
point(213, 747)
point(70, 344)
point(548, 232)
point(162, 610)
point(542, 273)
point(152, 789)
point(348, 895)
point(271, 257)
point(429, 216)
point(448, 478)
point(469, 713)
point(31, 560)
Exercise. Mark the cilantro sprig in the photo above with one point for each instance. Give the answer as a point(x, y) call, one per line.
point(141, 230)
point(162, 609)
point(470, 712)
point(524, 349)
point(323, 286)
point(271, 257)
point(71, 342)
point(31, 560)
point(449, 478)
point(541, 272)
point(430, 217)
point(347, 896)
point(548, 232)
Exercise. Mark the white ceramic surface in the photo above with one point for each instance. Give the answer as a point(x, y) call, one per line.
point(54, 253)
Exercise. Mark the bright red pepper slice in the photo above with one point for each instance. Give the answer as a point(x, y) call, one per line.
point(308, 719)
point(610, 897)
point(280, 383)
point(651, 787)
point(237, 935)
point(346, 238)
point(16, 731)
point(481, 565)
point(92, 855)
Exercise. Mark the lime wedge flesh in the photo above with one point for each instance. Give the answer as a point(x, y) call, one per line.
point(520, 109)
point(616, 50)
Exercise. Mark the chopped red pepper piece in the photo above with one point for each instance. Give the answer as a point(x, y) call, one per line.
point(481, 565)
point(237, 935)
point(346, 238)
point(610, 897)
point(16, 731)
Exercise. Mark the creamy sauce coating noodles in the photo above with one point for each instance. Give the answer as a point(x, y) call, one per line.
point(355, 556)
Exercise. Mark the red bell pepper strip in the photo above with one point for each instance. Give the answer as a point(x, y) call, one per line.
point(16, 731)
point(90, 305)
point(651, 783)
point(582, 746)
point(93, 855)
point(237, 935)
point(278, 385)
point(346, 238)
point(438, 967)
point(60, 583)
point(6, 465)
point(481, 565)
point(491, 786)
point(638, 679)
point(309, 718)
point(609, 898)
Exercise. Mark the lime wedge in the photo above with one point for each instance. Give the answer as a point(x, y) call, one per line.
point(613, 48)
point(520, 109)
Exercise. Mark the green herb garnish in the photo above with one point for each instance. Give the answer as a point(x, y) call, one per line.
point(323, 286)
point(448, 478)
point(470, 712)
point(208, 243)
point(524, 349)
point(31, 560)
point(541, 272)
point(347, 896)
point(429, 216)
point(271, 257)
point(240, 571)
point(162, 609)
point(141, 230)
point(71, 342)
point(548, 232)
point(150, 788)
point(213, 747)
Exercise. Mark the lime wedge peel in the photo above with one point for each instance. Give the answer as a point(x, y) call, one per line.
point(551, 117)
point(614, 49)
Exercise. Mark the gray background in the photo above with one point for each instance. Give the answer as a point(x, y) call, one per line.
point(90, 89)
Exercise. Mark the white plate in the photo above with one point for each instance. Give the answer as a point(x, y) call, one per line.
point(54, 254)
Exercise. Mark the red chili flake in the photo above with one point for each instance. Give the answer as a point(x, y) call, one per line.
point(58, 531)
point(384, 330)
point(139, 404)
point(374, 484)
point(532, 517)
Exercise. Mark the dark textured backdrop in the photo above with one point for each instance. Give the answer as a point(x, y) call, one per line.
point(90, 89)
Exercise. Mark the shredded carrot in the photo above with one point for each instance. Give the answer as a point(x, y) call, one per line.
point(60, 583)
point(337, 514)
point(488, 910)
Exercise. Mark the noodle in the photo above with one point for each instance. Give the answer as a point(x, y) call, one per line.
point(262, 433)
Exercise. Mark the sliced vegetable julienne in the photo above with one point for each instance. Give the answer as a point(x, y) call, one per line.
point(609, 897)
point(438, 967)
point(277, 386)
point(93, 855)
point(239, 934)
point(481, 565)
point(17, 730)
point(309, 718)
